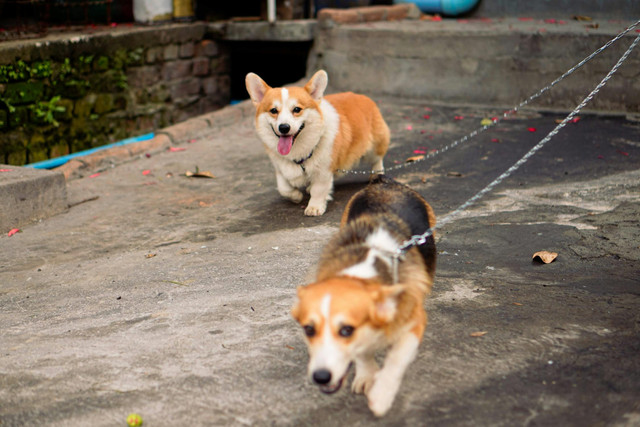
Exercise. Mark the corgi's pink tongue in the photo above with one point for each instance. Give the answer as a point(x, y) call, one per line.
point(284, 144)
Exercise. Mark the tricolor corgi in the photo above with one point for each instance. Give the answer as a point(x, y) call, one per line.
point(310, 138)
point(364, 299)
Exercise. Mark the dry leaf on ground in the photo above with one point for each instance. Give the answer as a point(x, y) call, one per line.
point(545, 256)
point(414, 159)
point(479, 333)
point(199, 174)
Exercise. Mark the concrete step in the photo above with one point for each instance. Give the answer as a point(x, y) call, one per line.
point(478, 61)
point(28, 195)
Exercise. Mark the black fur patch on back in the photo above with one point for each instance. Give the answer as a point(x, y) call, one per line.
point(385, 195)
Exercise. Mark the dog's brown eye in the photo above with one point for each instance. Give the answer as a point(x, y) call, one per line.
point(296, 110)
point(346, 331)
point(309, 330)
point(274, 110)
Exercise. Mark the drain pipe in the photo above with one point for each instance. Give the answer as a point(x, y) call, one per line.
point(59, 161)
point(446, 7)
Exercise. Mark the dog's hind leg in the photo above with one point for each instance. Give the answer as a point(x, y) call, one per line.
point(366, 368)
point(388, 379)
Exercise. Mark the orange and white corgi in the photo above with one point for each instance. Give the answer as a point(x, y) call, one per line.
point(364, 300)
point(310, 138)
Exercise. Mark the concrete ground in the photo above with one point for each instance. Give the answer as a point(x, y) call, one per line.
point(169, 295)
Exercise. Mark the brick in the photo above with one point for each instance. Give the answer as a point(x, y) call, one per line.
point(398, 12)
point(207, 48)
point(104, 103)
point(339, 16)
point(185, 88)
point(187, 50)
point(210, 85)
point(371, 14)
point(154, 54)
point(142, 77)
point(201, 66)
point(220, 64)
point(176, 69)
point(170, 52)
point(157, 143)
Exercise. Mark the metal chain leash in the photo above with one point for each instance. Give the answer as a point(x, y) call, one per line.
point(506, 114)
point(421, 239)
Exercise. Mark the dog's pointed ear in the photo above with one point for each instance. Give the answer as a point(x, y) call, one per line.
point(256, 87)
point(317, 85)
point(295, 310)
point(385, 303)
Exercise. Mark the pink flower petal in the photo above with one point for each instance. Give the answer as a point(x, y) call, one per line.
point(426, 117)
point(6, 170)
point(174, 149)
point(409, 127)
point(532, 129)
point(146, 172)
point(624, 153)
point(13, 231)
point(94, 175)
point(419, 152)
point(458, 117)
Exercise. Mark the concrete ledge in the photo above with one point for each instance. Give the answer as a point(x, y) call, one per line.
point(484, 61)
point(281, 31)
point(29, 195)
point(328, 17)
point(164, 138)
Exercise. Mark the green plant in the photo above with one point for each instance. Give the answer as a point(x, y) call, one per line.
point(44, 110)
point(40, 70)
point(10, 108)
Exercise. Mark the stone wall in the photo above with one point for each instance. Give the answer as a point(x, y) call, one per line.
point(68, 93)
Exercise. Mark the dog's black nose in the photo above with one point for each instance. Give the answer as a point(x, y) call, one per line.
point(322, 376)
point(284, 128)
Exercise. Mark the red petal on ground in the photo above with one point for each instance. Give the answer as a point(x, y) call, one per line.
point(426, 117)
point(94, 175)
point(624, 153)
point(174, 149)
point(600, 156)
point(6, 170)
point(437, 18)
point(550, 21)
point(146, 172)
point(532, 129)
point(409, 127)
point(495, 140)
point(419, 152)
point(458, 118)
point(525, 19)
point(13, 231)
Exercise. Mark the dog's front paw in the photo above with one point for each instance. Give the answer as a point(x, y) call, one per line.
point(315, 210)
point(381, 395)
point(362, 383)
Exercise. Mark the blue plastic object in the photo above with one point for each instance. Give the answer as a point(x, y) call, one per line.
point(446, 7)
point(59, 161)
